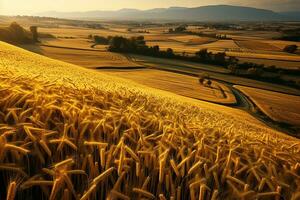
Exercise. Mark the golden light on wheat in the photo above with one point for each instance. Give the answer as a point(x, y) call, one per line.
point(60, 141)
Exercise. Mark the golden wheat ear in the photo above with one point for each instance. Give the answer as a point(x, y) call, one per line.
point(11, 191)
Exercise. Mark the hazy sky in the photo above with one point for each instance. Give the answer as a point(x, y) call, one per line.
point(14, 7)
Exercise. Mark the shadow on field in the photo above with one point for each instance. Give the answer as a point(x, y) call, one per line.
point(121, 68)
point(33, 48)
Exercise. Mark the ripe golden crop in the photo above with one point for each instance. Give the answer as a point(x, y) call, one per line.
point(71, 133)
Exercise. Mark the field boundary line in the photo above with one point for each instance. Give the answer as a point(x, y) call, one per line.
point(71, 48)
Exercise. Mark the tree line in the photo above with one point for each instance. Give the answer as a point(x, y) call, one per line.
point(183, 29)
point(137, 45)
point(16, 34)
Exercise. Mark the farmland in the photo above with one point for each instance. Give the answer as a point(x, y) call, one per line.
point(270, 62)
point(179, 84)
point(69, 132)
point(89, 58)
point(215, 72)
point(264, 52)
point(74, 44)
point(255, 45)
point(275, 104)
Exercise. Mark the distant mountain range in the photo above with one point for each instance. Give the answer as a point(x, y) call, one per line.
point(204, 13)
point(292, 15)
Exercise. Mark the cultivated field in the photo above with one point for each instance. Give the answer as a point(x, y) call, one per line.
point(192, 39)
point(279, 107)
point(222, 45)
point(215, 72)
point(256, 45)
point(184, 66)
point(269, 62)
point(101, 58)
point(276, 57)
point(244, 44)
point(281, 44)
point(84, 57)
point(179, 84)
point(80, 43)
point(71, 133)
point(177, 47)
point(79, 32)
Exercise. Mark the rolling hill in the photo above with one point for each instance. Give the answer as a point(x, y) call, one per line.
point(295, 15)
point(67, 132)
point(204, 13)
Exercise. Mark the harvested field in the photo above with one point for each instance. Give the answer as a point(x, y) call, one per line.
point(277, 63)
point(78, 32)
point(256, 45)
point(85, 58)
point(200, 41)
point(72, 42)
point(156, 37)
point(277, 57)
point(196, 45)
point(179, 84)
point(279, 107)
point(192, 39)
point(251, 35)
point(220, 44)
point(281, 44)
point(173, 64)
point(215, 72)
point(70, 133)
point(178, 47)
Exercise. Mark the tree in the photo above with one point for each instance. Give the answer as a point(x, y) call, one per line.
point(132, 45)
point(180, 28)
point(233, 60)
point(201, 80)
point(272, 69)
point(156, 50)
point(170, 53)
point(100, 40)
point(209, 83)
point(290, 48)
point(16, 28)
point(17, 31)
point(233, 68)
point(34, 32)
point(203, 77)
point(139, 41)
point(203, 54)
point(254, 71)
point(220, 58)
point(118, 44)
point(19, 34)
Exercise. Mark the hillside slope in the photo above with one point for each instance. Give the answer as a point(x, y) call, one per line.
point(67, 132)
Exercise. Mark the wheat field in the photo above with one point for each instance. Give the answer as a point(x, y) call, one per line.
point(84, 57)
point(274, 104)
point(179, 84)
point(256, 45)
point(281, 64)
point(71, 133)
